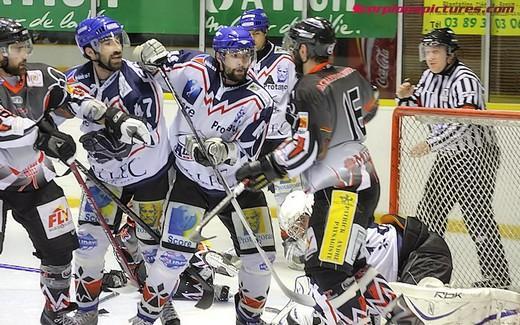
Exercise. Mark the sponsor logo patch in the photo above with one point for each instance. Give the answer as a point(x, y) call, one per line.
point(56, 218)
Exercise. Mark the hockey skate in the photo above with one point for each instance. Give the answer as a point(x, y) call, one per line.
point(86, 317)
point(241, 321)
point(57, 318)
point(169, 316)
point(139, 321)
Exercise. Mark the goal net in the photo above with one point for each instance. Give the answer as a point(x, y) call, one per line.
point(466, 188)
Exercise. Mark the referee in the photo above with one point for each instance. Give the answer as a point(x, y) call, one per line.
point(467, 157)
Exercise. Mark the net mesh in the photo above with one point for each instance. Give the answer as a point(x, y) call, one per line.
point(467, 190)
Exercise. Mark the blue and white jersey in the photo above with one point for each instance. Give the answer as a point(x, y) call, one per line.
point(275, 71)
point(135, 92)
point(238, 114)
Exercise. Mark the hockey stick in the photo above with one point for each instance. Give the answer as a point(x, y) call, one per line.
point(19, 268)
point(120, 256)
point(196, 236)
point(208, 292)
point(117, 201)
point(280, 313)
point(298, 298)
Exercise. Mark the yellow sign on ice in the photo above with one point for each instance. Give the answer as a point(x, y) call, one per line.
point(338, 227)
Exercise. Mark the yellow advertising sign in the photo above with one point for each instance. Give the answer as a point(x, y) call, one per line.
point(468, 17)
point(465, 17)
point(339, 225)
point(506, 18)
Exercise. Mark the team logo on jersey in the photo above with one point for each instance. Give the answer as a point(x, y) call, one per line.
point(269, 84)
point(282, 74)
point(34, 78)
point(191, 91)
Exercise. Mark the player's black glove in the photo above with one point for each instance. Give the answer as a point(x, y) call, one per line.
point(260, 172)
point(54, 143)
point(103, 147)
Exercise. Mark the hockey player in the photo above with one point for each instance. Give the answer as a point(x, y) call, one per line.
point(331, 103)
point(28, 136)
point(274, 69)
point(230, 112)
point(124, 165)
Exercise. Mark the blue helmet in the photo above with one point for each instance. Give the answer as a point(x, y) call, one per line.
point(254, 19)
point(91, 31)
point(232, 38)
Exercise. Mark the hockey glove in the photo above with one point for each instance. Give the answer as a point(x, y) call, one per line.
point(260, 173)
point(219, 151)
point(152, 54)
point(103, 147)
point(126, 128)
point(54, 143)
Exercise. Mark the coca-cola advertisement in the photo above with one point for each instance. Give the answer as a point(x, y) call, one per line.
point(375, 58)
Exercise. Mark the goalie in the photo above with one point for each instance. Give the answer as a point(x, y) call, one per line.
point(400, 249)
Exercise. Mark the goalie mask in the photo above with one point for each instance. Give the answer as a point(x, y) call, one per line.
point(98, 31)
point(15, 46)
point(295, 212)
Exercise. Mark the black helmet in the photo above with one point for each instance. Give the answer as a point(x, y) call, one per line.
point(12, 31)
point(315, 32)
point(442, 36)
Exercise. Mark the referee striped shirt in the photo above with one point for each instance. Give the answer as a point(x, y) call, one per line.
point(457, 87)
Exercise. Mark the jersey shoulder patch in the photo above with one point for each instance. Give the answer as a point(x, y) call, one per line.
point(34, 78)
point(260, 91)
point(280, 50)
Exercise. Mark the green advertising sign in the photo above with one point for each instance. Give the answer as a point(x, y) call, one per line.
point(156, 16)
point(282, 13)
point(61, 15)
point(138, 16)
point(182, 16)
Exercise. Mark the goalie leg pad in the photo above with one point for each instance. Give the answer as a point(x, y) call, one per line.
point(89, 260)
point(254, 280)
point(380, 298)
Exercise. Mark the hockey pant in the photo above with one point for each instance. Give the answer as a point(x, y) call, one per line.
point(46, 216)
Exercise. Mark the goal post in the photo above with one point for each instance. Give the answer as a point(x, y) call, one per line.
point(473, 180)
